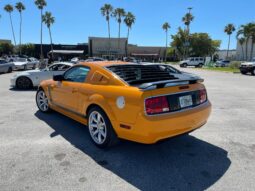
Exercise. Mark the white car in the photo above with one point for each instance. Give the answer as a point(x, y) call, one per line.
point(32, 78)
point(6, 66)
point(193, 61)
point(222, 63)
point(25, 63)
point(248, 67)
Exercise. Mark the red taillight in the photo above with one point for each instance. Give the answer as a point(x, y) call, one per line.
point(156, 105)
point(202, 95)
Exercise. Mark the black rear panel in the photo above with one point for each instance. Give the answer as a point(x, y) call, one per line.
point(174, 103)
point(138, 74)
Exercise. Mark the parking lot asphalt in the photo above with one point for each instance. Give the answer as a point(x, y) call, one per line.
point(52, 152)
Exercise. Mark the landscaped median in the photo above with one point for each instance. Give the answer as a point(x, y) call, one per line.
point(233, 67)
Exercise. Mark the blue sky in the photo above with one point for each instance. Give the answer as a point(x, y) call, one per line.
point(76, 20)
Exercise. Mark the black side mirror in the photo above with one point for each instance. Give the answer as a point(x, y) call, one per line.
point(58, 78)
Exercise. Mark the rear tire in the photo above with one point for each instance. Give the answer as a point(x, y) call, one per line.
point(200, 65)
point(9, 70)
point(244, 73)
point(184, 65)
point(24, 83)
point(100, 128)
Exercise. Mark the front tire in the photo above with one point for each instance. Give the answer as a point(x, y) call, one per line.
point(253, 71)
point(100, 128)
point(42, 101)
point(24, 83)
point(184, 65)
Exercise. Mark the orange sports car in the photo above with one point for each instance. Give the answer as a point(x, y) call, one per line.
point(138, 102)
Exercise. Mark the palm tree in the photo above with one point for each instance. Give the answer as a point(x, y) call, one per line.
point(106, 11)
point(229, 29)
point(9, 9)
point(49, 20)
point(241, 42)
point(40, 5)
point(20, 7)
point(187, 19)
point(166, 27)
point(252, 36)
point(129, 21)
point(119, 13)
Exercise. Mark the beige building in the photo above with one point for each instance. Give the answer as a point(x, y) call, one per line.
point(118, 48)
point(241, 51)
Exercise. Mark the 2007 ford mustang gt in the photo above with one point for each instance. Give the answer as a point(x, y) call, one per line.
point(138, 102)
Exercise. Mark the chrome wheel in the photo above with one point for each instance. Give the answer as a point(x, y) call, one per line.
point(42, 101)
point(97, 127)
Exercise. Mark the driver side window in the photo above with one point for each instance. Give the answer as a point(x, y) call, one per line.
point(76, 74)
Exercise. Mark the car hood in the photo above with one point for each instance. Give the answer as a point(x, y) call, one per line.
point(19, 63)
point(184, 61)
point(248, 63)
point(30, 72)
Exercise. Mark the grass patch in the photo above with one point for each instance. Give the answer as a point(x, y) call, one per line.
point(222, 69)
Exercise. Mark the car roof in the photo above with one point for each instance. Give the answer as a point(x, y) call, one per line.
point(66, 63)
point(105, 63)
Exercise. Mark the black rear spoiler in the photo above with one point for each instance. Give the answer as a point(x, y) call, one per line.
point(169, 83)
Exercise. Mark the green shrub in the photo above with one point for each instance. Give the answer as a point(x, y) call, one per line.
point(235, 64)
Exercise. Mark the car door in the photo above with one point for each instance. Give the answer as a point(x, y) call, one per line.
point(65, 94)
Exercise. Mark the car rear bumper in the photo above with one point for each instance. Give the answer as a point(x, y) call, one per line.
point(246, 69)
point(150, 129)
point(19, 67)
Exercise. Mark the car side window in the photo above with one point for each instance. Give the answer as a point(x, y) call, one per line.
point(192, 59)
point(196, 59)
point(76, 74)
point(54, 67)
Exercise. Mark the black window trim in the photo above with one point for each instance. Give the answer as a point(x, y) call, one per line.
point(81, 66)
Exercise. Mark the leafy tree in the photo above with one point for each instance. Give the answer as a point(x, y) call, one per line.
point(49, 20)
point(40, 5)
point(20, 7)
point(9, 9)
point(119, 14)
point(166, 27)
point(200, 44)
point(229, 29)
point(6, 48)
point(28, 49)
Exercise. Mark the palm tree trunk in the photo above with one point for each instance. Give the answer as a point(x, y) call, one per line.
point(252, 45)
point(119, 37)
point(242, 52)
point(228, 45)
point(12, 29)
point(166, 47)
point(127, 42)
point(246, 48)
point(20, 33)
point(109, 33)
point(51, 44)
point(41, 35)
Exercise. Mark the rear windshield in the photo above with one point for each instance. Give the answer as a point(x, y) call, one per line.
point(138, 74)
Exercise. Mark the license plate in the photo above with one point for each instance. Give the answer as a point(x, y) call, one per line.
point(185, 101)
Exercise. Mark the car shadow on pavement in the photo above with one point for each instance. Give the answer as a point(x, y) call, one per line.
point(20, 90)
point(181, 163)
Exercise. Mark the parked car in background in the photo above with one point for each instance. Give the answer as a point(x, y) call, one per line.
point(248, 67)
point(6, 67)
point(94, 59)
point(137, 102)
point(130, 59)
point(26, 63)
point(32, 78)
point(193, 61)
point(222, 63)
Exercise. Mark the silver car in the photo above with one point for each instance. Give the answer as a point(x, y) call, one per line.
point(6, 67)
